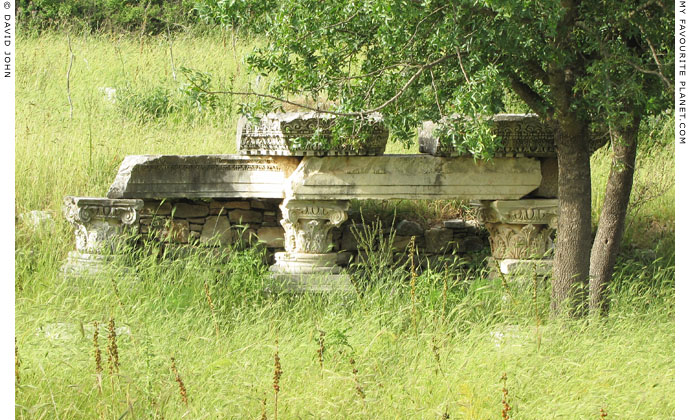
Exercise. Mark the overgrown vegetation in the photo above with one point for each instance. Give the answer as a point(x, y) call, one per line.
point(112, 16)
point(441, 355)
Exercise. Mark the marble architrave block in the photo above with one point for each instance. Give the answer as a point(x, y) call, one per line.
point(308, 263)
point(520, 229)
point(202, 176)
point(98, 225)
point(420, 177)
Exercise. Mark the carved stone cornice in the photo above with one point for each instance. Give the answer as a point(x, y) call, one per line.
point(290, 134)
point(308, 224)
point(521, 135)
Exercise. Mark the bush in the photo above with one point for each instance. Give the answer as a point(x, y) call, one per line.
point(152, 16)
point(144, 105)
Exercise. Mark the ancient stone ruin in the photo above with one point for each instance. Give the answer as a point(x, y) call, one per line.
point(295, 200)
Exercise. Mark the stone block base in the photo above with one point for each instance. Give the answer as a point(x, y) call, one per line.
point(298, 263)
point(311, 282)
point(301, 272)
point(79, 263)
point(525, 267)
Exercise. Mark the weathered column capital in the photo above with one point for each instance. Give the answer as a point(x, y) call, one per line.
point(520, 229)
point(308, 262)
point(97, 224)
point(308, 224)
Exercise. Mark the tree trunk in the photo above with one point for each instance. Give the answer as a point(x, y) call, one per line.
point(571, 263)
point(612, 220)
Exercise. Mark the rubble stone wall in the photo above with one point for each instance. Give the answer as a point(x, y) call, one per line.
point(218, 223)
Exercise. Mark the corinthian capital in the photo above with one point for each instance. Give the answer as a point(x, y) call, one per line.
point(308, 224)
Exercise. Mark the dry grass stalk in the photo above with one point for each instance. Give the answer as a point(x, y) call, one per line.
point(504, 282)
point(536, 308)
point(117, 293)
point(437, 355)
point(113, 355)
point(321, 349)
point(445, 292)
point(17, 362)
point(413, 283)
point(96, 348)
point(97, 357)
point(213, 309)
point(277, 373)
point(263, 409)
point(506, 406)
point(69, 71)
point(178, 379)
point(358, 387)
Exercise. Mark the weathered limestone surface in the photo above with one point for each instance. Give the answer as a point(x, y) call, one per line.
point(549, 179)
point(521, 135)
point(273, 237)
point(282, 134)
point(413, 177)
point(409, 228)
point(98, 223)
point(201, 176)
point(541, 267)
point(309, 262)
point(520, 229)
point(217, 230)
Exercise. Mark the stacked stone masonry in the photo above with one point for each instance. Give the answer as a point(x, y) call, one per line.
point(224, 222)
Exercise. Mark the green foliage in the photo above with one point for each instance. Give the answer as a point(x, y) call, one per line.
point(190, 100)
point(235, 14)
point(195, 89)
point(438, 58)
point(151, 16)
point(148, 104)
point(624, 363)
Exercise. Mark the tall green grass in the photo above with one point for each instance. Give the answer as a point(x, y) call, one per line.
point(57, 155)
point(450, 362)
point(444, 355)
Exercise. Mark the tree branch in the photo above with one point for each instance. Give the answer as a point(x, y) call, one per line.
point(531, 98)
point(467, 79)
point(658, 63)
point(341, 114)
point(433, 85)
point(407, 44)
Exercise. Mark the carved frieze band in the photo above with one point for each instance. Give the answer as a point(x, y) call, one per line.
point(278, 134)
point(308, 224)
point(539, 212)
point(96, 221)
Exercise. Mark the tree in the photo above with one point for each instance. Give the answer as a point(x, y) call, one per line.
point(590, 69)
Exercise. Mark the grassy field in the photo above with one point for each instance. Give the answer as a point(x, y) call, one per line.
point(432, 356)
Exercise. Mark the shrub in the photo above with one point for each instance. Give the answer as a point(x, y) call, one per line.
point(150, 16)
